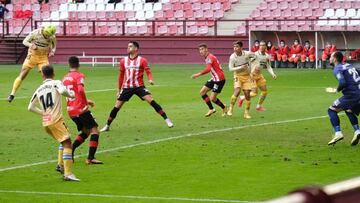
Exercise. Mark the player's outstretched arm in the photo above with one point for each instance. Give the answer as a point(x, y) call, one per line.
point(205, 71)
point(33, 105)
point(270, 70)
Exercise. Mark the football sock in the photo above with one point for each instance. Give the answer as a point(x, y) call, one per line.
point(219, 103)
point(158, 109)
point(353, 120)
point(94, 141)
point(16, 85)
point(233, 100)
point(207, 101)
point(60, 155)
point(112, 116)
point(79, 140)
point(247, 104)
point(67, 156)
point(334, 119)
point(262, 97)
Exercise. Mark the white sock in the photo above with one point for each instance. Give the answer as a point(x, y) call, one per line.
point(242, 97)
point(338, 134)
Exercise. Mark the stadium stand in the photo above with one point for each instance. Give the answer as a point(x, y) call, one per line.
point(110, 15)
point(304, 15)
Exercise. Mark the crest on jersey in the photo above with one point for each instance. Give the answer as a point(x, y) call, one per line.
point(208, 60)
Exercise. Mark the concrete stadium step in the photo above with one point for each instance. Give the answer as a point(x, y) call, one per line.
point(241, 11)
point(8, 48)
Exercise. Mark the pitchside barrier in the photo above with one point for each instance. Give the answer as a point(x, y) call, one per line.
point(342, 192)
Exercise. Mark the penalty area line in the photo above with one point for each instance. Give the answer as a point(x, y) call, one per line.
point(125, 196)
point(170, 138)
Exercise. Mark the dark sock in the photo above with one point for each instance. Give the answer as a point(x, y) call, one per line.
point(353, 120)
point(219, 103)
point(207, 101)
point(158, 109)
point(79, 140)
point(334, 119)
point(112, 116)
point(94, 141)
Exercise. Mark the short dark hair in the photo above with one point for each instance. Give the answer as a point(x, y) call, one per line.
point(307, 41)
point(135, 43)
point(74, 62)
point(282, 41)
point(296, 40)
point(338, 55)
point(239, 43)
point(203, 45)
point(48, 71)
point(257, 41)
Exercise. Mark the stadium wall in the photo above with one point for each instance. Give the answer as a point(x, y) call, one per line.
point(158, 50)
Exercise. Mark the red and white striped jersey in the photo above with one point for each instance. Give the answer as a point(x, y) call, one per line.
point(213, 66)
point(132, 72)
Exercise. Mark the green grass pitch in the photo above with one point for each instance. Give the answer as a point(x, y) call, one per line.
point(204, 159)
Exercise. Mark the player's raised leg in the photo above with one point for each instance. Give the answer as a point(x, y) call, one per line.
point(158, 109)
point(17, 82)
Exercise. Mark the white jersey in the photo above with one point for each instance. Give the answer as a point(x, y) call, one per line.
point(44, 45)
point(240, 63)
point(263, 60)
point(48, 96)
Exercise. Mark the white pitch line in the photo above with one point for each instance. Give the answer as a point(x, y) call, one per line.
point(125, 196)
point(168, 139)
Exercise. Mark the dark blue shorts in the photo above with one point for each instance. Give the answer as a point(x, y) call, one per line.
point(347, 103)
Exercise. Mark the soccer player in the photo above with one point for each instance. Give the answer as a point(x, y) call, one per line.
point(48, 97)
point(215, 84)
point(258, 78)
point(131, 82)
point(42, 45)
point(239, 64)
point(78, 110)
point(295, 52)
point(283, 53)
point(349, 85)
point(308, 55)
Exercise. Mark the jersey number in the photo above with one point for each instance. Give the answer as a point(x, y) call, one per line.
point(70, 89)
point(354, 74)
point(47, 101)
